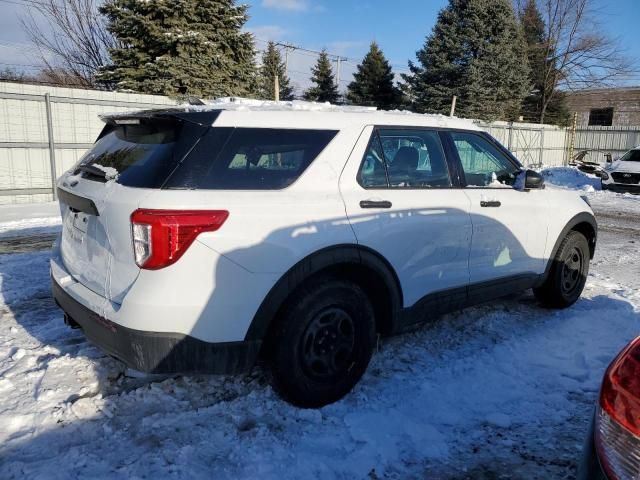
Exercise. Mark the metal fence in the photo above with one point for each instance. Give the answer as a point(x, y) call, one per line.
point(535, 145)
point(45, 130)
point(601, 141)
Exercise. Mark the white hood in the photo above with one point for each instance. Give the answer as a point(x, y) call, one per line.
point(629, 167)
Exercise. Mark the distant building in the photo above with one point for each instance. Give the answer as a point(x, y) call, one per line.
point(606, 106)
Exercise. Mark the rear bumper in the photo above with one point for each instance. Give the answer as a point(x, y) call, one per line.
point(154, 352)
point(589, 467)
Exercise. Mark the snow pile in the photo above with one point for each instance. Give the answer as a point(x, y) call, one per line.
point(30, 226)
point(570, 177)
point(506, 388)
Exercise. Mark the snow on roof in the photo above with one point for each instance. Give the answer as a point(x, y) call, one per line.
point(239, 103)
point(349, 114)
point(267, 112)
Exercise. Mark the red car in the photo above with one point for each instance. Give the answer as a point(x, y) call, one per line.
point(612, 451)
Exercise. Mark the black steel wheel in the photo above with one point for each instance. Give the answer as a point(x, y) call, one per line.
point(568, 273)
point(322, 343)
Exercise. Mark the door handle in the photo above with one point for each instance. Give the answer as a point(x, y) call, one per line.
point(490, 203)
point(375, 204)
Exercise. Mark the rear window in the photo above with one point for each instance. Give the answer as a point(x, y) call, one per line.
point(138, 154)
point(249, 158)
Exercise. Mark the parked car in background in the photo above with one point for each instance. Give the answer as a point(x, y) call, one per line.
point(200, 240)
point(612, 450)
point(623, 175)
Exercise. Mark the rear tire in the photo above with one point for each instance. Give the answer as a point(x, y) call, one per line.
point(568, 273)
point(322, 343)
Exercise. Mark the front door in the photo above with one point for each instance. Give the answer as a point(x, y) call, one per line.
point(509, 223)
point(400, 202)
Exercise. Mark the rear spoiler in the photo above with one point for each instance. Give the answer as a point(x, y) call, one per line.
point(204, 118)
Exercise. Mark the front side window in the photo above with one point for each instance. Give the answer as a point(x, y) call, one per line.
point(484, 165)
point(249, 158)
point(411, 158)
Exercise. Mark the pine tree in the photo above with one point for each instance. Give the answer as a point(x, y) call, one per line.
point(182, 47)
point(373, 82)
point(538, 53)
point(272, 66)
point(324, 89)
point(476, 52)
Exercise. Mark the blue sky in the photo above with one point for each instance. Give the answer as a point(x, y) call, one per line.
point(400, 26)
point(343, 27)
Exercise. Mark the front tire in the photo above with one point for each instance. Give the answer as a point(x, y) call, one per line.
point(322, 343)
point(568, 274)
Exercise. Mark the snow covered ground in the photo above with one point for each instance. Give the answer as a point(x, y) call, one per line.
point(497, 391)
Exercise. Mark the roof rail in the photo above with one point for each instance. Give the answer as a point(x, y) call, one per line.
point(241, 103)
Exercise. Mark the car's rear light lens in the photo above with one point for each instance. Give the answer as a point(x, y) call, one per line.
point(618, 418)
point(160, 237)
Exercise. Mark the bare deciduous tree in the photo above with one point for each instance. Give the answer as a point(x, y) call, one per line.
point(71, 38)
point(579, 55)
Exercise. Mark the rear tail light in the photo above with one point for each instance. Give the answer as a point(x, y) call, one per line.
point(618, 417)
point(160, 237)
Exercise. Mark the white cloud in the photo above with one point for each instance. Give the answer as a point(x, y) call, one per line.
point(269, 32)
point(344, 47)
point(292, 5)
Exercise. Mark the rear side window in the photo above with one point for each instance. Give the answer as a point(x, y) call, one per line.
point(399, 158)
point(249, 158)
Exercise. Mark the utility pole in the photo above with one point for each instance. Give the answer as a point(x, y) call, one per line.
point(276, 87)
point(572, 138)
point(453, 105)
point(286, 59)
point(338, 62)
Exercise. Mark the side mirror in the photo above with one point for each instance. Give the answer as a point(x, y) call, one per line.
point(533, 180)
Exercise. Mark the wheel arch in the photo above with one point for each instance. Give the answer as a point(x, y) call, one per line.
point(354, 262)
point(584, 223)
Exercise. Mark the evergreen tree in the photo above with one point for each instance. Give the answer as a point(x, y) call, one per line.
point(476, 52)
point(539, 51)
point(373, 82)
point(182, 47)
point(272, 66)
point(324, 89)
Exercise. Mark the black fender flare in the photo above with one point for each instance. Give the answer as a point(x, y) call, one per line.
point(580, 218)
point(314, 263)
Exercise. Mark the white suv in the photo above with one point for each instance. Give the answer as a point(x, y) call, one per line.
point(623, 175)
point(203, 240)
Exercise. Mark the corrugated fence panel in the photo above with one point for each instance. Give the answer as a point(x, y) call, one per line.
point(535, 145)
point(603, 140)
point(24, 148)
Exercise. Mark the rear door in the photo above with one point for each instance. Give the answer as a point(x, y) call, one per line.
point(400, 202)
point(509, 224)
point(132, 157)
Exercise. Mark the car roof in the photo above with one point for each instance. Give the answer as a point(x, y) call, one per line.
point(240, 112)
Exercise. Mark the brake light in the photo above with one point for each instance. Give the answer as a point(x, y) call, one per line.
point(620, 393)
point(160, 237)
point(618, 418)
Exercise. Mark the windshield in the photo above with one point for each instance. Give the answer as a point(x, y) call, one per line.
point(631, 156)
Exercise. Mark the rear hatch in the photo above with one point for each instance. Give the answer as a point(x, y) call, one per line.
point(133, 156)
